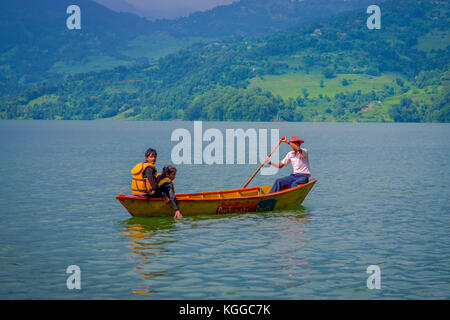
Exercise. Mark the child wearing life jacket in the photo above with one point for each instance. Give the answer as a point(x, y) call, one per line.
point(166, 187)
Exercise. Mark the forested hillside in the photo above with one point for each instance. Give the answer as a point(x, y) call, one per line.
point(36, 45)
point(34, 37)
point(260, 17)
point(334, 70)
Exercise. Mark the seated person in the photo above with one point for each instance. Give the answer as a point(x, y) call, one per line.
point(298, 157)
point(144, 182)
point(167, 189)
point(144, 175)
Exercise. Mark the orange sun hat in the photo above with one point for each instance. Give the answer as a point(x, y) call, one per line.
point(296, 139)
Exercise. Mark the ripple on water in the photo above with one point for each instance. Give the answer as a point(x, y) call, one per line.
point(378, 201)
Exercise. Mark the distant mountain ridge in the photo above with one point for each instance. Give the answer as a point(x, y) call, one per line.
point(336, 70)
point(34, 38)
point(120, 6)
point(260, 17)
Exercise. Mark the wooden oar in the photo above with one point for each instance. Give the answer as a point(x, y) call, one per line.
point(259, 168)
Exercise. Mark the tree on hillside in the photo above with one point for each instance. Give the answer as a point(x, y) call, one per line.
point(406, 111)
point(328, 73)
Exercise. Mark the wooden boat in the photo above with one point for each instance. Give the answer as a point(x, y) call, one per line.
point(242, 200)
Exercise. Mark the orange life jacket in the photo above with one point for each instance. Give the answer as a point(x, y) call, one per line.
point(166, 180)
point(140, 184)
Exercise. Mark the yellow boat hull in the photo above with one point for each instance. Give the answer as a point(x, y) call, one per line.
point(246, 200)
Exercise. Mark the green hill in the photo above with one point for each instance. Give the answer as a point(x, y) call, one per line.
point(254, 18)
point(334, 70)
point(36, 46)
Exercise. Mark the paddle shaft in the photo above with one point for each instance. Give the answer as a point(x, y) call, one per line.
point(259, 168)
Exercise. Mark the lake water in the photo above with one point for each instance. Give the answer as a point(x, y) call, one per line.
point(382, 198)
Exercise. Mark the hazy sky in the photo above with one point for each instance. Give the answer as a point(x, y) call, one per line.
point(169, 8)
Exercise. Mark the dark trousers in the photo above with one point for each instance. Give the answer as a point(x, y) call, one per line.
point(289, 182)
point(166, 190)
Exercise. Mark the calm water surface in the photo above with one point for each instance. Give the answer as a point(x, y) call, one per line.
point(382, 198)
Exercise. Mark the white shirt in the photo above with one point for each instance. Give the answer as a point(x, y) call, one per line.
point(300, 161)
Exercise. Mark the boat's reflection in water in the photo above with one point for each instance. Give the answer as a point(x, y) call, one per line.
point(144, 246)
point(149, 237)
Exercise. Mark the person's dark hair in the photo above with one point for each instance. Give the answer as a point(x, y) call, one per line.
point(150, 151)
point(170, 169)
point(165, 172)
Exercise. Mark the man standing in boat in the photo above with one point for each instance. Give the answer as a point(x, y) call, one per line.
point(146, 182)
point(298, 157)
